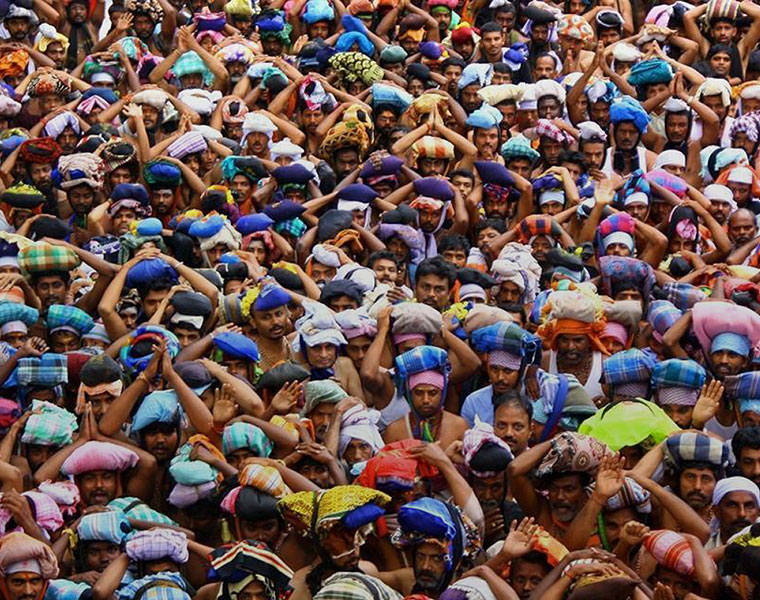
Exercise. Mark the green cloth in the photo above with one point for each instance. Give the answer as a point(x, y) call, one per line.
point(628, 424)
point(49, 425)
point(318, 392)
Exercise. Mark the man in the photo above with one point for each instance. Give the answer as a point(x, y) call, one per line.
point(746, 447)
point(434, 280)
point(629, 122)
point(424, 372)
point(736, 502)
point(742, 227)
point(27, 565)
point(38, 156)
point(337, 544)
point(722, 202)
point(676, 384)
point(435, 559)
point(99, 470)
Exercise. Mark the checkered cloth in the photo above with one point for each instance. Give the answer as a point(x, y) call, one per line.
point(248, 436)
point(69, 318)
point(692, 446)
point(519, 147)
point(163, 586)
point(52, 426)
point(419, 359)
point(534, 225)
point(683, 295)
point(108, 526)
point(628, 366)
point(662, 315)
point(49, 370)
point(508, 337)
point(44, 257)
point(245, 557)
point(675, 372)
point(624, 273)
point(631, 495)
point(15, 311)
point(137, 509)
point(156, 544)
point(265, 479)
point(296, 227)
point(546, 128)
point(355, 586)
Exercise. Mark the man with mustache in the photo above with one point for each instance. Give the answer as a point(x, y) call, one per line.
point(694, 480)
point(436, 559)
point(27, 565)
point(746, 447)
point(736, 501)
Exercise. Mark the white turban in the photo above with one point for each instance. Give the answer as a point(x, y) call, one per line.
point(627, 53)
point(57, 124)
point(201, 101)
point(712, 87)
point(155, 98)
point(358, 423)
point(735, 484)
point(257, 123)
point(590, 130)
point(285, 148)
point(673, 158)
point(549, 87)
point(675, 105)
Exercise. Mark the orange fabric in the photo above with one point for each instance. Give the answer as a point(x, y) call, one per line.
point(549, 332)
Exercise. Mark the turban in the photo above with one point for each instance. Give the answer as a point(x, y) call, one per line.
point(746, 124)
point(161, 175)
point(654, 70)
point(357, 423)
point(576, 27)
point(19, 550)
point(345, 134)
point(678, 381)
point(355, 586)
point(475, 73)
point(735, 484)
point(190, 63)
point(355, 66)
point(152, 8)
point(57, 124)
point(245, 435)
point(713, 87)
point(519, 146)
point(47, 82)
point(234, 111)
point(155, 98)
point(86, 106)
point(157, 543)
point(47, 35)
point(49, 425)
point(628, 109)
point(392, 54)
point(99, 456)
point(484, 453)
point(14, 64)
point(81, 169)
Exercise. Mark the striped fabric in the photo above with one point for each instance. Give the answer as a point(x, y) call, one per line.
point(692, 446)
point(676, 372)
point(671, 550)
point(628, 366)
point(433, 147)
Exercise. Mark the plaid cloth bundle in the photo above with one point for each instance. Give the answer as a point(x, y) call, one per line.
point(662, 315)
point(683, 295)
point(49, 370)
point(421, 358)
point(51, 426)
point(108, 526)
point(624, 273)
point(163, 586)
point(15, 311)
point(631, 495)
point(628, 366)
point(135, 508)
point(44, 257)
point(534, 225)
point(155, 544)
point(245, 435)
point(509, 337)
point(692, 446)
point(678, 373)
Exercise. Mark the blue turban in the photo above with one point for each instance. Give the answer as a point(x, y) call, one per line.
point(733, 342)
point(347, 40)
point(628, 109)
point(237, 345)
point(157, 407)
point(317, 10)
point(271, 296)
point(655, 70)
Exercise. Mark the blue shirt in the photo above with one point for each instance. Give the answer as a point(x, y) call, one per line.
point(480, 403)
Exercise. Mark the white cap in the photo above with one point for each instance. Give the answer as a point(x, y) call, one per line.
point(551, 196)
point(715, 192)
point(29, 565)
point(637, 198)
point(670, 158)
point(472, 290)
point(740, 175)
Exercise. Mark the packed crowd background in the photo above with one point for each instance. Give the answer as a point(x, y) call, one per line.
point(379, 300)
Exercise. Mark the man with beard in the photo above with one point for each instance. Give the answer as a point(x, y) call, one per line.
point(435, 278)
point(736, 502)
point(19, 23)
point(629, 122)
point(697, 462)
point(38, 156)
point(81, 33)
point(436, 559)
point(336, 521)
point(320, 398)
point(746, 447)
point(566, 496)
point(386, 118)
point(550, 96)
point(722, 202)
point(146, 15)
point(81, 179)
point(27, 565)
point(385, 266)
point(742, 229)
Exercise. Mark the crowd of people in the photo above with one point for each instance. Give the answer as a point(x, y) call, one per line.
point(379, 299)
